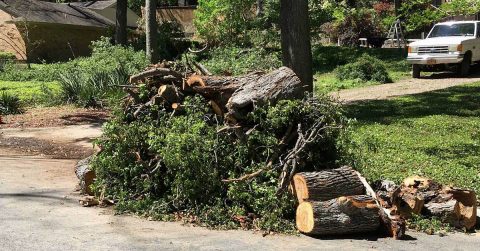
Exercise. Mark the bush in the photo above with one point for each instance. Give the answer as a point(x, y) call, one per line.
point(5, 57)
point(171, 167)
point(236, 60)
point(9, 104)
point(366, 68)
point(90, 89)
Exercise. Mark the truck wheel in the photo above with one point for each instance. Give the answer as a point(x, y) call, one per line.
point(416, 70)
point(464, 66)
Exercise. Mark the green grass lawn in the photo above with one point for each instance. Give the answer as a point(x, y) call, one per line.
point(327, 58)
point(434, 134)
point(30, 92)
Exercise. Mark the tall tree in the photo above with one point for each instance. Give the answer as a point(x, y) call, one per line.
point(296, 46)
point(121, 23)
point(151, 30)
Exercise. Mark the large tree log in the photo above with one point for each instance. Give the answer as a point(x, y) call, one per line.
point(328, 184)
point(278, 85)
point(85, 175)
point(344, 215)
point(238, 96)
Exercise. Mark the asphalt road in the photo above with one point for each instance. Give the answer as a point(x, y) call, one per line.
point(39, 211)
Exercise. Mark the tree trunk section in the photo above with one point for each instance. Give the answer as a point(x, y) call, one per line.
point(237, 96)
point(121, 23)
point(295, 33)
point(344, 215)
point(281, 84)
point(85, 175)
point(151, 30)
point(326, 185)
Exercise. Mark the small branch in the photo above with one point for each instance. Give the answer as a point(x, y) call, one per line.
point(245, 177)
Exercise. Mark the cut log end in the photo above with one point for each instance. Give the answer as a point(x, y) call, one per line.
point(300, 187)
point(305, 218)
point(195, 80)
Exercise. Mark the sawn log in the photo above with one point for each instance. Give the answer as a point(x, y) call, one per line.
point(344, 215)
point(326, 185)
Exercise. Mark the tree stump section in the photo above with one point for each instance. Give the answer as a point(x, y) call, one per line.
point(85, 175)
point(326, 185)
point(344, 215)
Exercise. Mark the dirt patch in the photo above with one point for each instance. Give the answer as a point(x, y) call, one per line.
point(55, 116)
point(428, 83)
point(54, 150)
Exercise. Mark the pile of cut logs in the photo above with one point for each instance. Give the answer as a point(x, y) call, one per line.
point(340, 201)
point(230, 97)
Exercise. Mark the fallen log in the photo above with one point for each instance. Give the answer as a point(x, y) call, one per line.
point(326, 185)
point(239, 95)
point(155, 72)
point(344, 215)
point(85, 175)
point(281, 84)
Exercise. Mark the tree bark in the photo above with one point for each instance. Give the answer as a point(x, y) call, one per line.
point(295, 33)
point(151, 30)
point(344, 215)
point(121, 23)
point(326, 185)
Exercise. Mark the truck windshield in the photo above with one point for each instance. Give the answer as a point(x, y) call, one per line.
point(444, 30)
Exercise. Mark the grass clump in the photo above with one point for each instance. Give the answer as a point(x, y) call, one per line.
point(91, 89)
point(430, 226)
point(365, 68)
point(9, 104)
point(171, 167)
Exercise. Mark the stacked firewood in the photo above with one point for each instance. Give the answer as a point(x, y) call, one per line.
point(340, 201)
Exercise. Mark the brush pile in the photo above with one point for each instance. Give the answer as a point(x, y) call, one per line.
point(216, 150)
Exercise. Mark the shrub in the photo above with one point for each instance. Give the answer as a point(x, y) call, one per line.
point(236, 60)
point(169, 167)
point(9, 104)
point(5, 57)
point(90, 89)
point(366, 68)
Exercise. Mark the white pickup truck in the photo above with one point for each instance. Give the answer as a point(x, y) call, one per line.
point(448, 45)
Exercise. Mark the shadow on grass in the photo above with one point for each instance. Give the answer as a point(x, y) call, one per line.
point(463, 101)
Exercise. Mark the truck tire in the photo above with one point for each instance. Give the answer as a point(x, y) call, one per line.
point(416, 70)
point(464, 66)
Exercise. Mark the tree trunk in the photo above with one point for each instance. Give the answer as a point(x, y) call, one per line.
point(85, 175)
point(344, 215)
point(295, 33)
point(326, 185)
point(448, 211)
point(151, 30)
point(169, 94)
point(121, 23)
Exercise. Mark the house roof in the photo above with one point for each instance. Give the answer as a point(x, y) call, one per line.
point(47, 12)
point(95, 5)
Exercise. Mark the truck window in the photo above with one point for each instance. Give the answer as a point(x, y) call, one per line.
point(450, 30)
point(478, 29)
